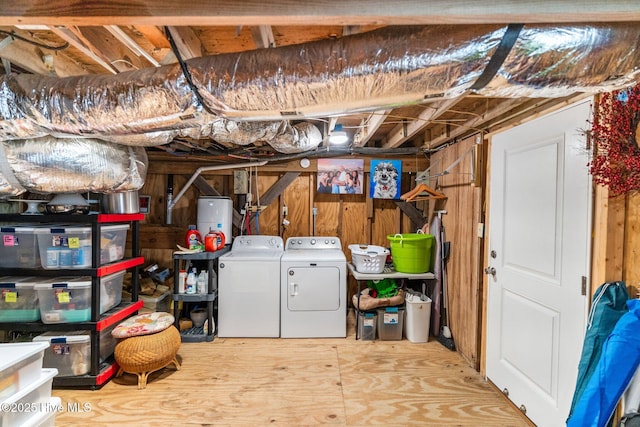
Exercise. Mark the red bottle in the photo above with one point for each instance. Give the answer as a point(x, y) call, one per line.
point(193, 239)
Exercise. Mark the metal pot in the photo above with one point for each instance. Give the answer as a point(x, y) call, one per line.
point(67, 209)
point(125, 202)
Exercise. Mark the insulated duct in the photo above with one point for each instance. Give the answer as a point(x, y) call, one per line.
point(71, 165)
point(369, 71)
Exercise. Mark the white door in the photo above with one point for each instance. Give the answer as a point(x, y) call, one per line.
point(539, 247)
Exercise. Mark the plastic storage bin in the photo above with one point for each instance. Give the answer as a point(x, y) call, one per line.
point(47, 416)
point(19, 247)
point(64, 300)
point(20, 366)
point(418, 317)
point(19, 299)
point(107, 342)
point(111, 291)
point(158, 303)
point(69, 352)
point(36, 394)
point(367, 326)
point(70, 247)
point(368, 258)
point(390, 322)
point(411, 253)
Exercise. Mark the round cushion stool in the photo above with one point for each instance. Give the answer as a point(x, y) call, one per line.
point(147, 342)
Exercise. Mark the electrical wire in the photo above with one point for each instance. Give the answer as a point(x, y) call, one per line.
point(13, 35)
point(185, 70)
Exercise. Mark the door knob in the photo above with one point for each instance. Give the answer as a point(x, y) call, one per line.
point(490, 270)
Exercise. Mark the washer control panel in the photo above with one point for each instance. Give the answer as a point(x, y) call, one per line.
point(313, 242)
point(257, 242)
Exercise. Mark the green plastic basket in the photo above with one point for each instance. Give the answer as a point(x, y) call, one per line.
point(411, 253)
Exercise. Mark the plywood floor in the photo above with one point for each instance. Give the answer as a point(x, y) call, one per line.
point(299, 382)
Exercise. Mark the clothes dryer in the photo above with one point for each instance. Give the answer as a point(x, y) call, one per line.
point(314, 288)
point(249, 287)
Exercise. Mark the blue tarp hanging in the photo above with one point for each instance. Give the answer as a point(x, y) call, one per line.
point(618, 362)
point(608, 305)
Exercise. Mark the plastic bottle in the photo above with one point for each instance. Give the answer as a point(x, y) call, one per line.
point(202, 282)
point(193, 239)
point(182, 278)
point(191, 282)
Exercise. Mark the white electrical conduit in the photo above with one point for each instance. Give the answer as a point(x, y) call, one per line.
point(205, 169)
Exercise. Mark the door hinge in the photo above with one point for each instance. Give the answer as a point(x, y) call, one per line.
point(584, 285)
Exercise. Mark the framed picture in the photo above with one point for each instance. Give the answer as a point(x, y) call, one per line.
point(340, 176)
point(385, 179)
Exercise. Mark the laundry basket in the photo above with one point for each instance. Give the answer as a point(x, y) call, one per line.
point(411, 252)
point(368, 258)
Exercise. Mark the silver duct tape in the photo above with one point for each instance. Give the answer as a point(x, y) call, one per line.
point(551, 62)
point(51, 165)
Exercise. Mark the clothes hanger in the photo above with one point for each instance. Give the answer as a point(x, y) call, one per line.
point(422, 192)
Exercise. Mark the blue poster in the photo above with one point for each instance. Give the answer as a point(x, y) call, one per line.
point(385, 179)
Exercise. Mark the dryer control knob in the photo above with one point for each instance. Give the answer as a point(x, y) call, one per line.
point(326, 242)
point(299, 242)
point(313, 241)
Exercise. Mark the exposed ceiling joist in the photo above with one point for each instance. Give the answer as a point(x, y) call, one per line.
point(187, 42)
point(329, 12)
point(131, 44)
point(369, 126)
point(6, 65)
point(410, 128)
point(72, 38)
point(263, 36)
point(31, 58)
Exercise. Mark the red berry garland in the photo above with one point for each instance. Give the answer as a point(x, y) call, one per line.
point(616, 159)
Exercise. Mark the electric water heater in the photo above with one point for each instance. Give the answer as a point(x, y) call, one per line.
point(215, 213)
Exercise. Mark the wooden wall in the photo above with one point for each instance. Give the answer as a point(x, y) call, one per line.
point(616, 246)
point(353, 218)
point(463, 188)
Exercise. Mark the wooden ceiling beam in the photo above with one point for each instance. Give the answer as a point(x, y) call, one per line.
point(410, 128)
point(473, 125)
point(131, 44)
point(32, 59)
point(263, 36)
point(327, 12)
point(187, 42)
point(72, 37)
point(369, 126)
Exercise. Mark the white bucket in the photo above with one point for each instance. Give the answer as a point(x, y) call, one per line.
point(418, 318)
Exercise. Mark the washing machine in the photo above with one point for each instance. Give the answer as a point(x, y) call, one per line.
point(249, 287)
point(314, 288)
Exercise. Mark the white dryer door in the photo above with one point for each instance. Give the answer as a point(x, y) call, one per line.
point(313, 288)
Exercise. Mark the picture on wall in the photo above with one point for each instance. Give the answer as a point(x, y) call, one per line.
point(340, 176)
point(385, 176)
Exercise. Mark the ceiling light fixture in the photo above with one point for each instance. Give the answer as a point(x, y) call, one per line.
point(338, 136)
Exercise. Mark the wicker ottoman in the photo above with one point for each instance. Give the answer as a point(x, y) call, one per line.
point(144, 349)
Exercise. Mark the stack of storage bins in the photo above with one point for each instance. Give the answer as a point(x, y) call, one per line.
point(25, 387)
